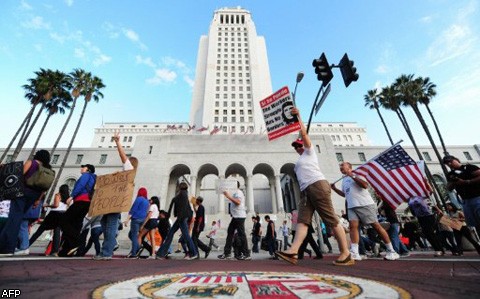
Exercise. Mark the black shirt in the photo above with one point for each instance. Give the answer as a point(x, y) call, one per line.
point(465, 172)
point(182, 206)
point(256, 229)
point(199, 219)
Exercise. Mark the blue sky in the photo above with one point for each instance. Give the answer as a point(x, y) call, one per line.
point(145, 53)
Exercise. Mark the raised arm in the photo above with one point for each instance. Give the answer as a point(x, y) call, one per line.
point(307, 143)
point(121, 151)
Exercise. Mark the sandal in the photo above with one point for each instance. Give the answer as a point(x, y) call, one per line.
point(348, 261)
point(292, 258)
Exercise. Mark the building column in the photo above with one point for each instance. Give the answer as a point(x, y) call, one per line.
point(278, 194)
point(249, 198)
point(193, 185)
point(221, 199)
point(164, 193)
point(272, 196)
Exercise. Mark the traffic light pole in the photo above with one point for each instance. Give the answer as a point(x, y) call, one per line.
point(313, 108)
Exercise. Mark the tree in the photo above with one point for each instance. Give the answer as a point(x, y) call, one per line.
point(410, 91)
point(428, 92)
point(371, 101)
point(90, 89)
point(34, 92)
point(77, 82)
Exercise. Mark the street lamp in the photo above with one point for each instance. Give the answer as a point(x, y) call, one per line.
point(299, 78)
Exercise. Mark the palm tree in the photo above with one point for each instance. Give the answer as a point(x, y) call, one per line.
point(76, 80)
point(45, 86)
point(428, 92)
point(90, 89)
point(410, 91)
point(371, 101)
point(57, 104)
point(34, 92)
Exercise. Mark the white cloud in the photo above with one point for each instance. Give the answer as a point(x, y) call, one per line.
point(455, 41)
point(111, 30)
point(146, 61)
point(133, 36)
point(426, 19)
point(25, 6)
point(101, 59)
point(169, 61)
point(189, 80)
point(79, 53)
point(162, 76)
point(36, 22)
point(69, 2)
point(382, 69)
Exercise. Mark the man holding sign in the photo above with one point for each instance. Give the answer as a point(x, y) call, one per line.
point(316, 196)
point(110, 221)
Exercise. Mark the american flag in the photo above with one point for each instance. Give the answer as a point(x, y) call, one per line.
point(202, 129)
point(215, 130)
point(395, 176)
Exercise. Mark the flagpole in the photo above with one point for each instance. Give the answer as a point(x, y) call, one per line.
point(394, 145)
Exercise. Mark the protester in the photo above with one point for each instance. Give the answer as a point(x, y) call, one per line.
point(256, 233)
point(199, 226)
point(136, 216)
point(237, 223)
point(361, 208)
point(18, 206)
point(326, 232)
point(285, 233)
point(270, 236)
point(465, 179)
point(150, 224)
point(394, 229)
point(52, 220)
point(316, 197)
point(212, 235)
point(110, 222)
point(183, 212)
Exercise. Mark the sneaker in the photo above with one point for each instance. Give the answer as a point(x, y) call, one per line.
point(101, 258)
point(439, 253)
point(391, 256)
point(72, 251)
point(152, 257)
point(224, 256)
point(116, 247)
point(188, 257)
point(376, 249)
point(356, 256)
point(248, 258)
point(405, 254)
point(22, 252)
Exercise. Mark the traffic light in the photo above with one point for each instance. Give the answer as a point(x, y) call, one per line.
point(349, 72)
point(322, 69)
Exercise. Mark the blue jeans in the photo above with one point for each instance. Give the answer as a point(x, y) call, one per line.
point(471, 209)
point(110, 229)
point(181, 224)
point(18, 207)
point(23, 242)
point(393, 233)
point(135, 225)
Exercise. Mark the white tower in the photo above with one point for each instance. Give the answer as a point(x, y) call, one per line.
point(232, 75)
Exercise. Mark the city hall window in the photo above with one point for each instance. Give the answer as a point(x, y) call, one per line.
point(361, 157)
point(427, 157)
point(339, 157)
point(467, 156)
point(79, 159)
point(103, 159)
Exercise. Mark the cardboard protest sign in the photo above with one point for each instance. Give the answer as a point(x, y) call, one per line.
point(226, 185)
point(277, 113)
point(451, 222)
point(113, 193)
point(11, 180)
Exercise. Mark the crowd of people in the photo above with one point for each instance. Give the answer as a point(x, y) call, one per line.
point(372, 228)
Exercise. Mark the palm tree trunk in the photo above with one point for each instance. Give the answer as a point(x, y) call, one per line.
point(437, 129)
point(32, 152)
point(384, 126)
point(436, 189)
point(16, 134)
point(65, 158)
point(64, 127)
point(429, 136)
point(22, 141)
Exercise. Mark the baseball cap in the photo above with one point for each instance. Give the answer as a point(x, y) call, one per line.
point(90, 167)
point(297, 142)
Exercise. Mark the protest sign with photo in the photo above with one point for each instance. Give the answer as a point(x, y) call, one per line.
point(451, 222)
point(11, 180)
point(277, 113)
point(226, 185)
point(113, 193)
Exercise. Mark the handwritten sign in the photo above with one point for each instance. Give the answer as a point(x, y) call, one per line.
point(277, 113)
point(113, 193)
point(226, 185)
point(451, 222)
point(11, 180)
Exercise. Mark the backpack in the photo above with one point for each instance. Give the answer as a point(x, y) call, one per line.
point(42, 179)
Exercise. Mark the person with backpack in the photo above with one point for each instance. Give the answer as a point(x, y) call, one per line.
point(33, 194)
point(79, 202)
point(52, 220)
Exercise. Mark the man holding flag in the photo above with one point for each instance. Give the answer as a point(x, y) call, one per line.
point(361, 208)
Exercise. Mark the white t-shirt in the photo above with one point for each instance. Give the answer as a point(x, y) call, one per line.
point(307, 169)
point(155, 213)
point(238, 211)
point(127, 165)
point(355, 195)
point(213, 231)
